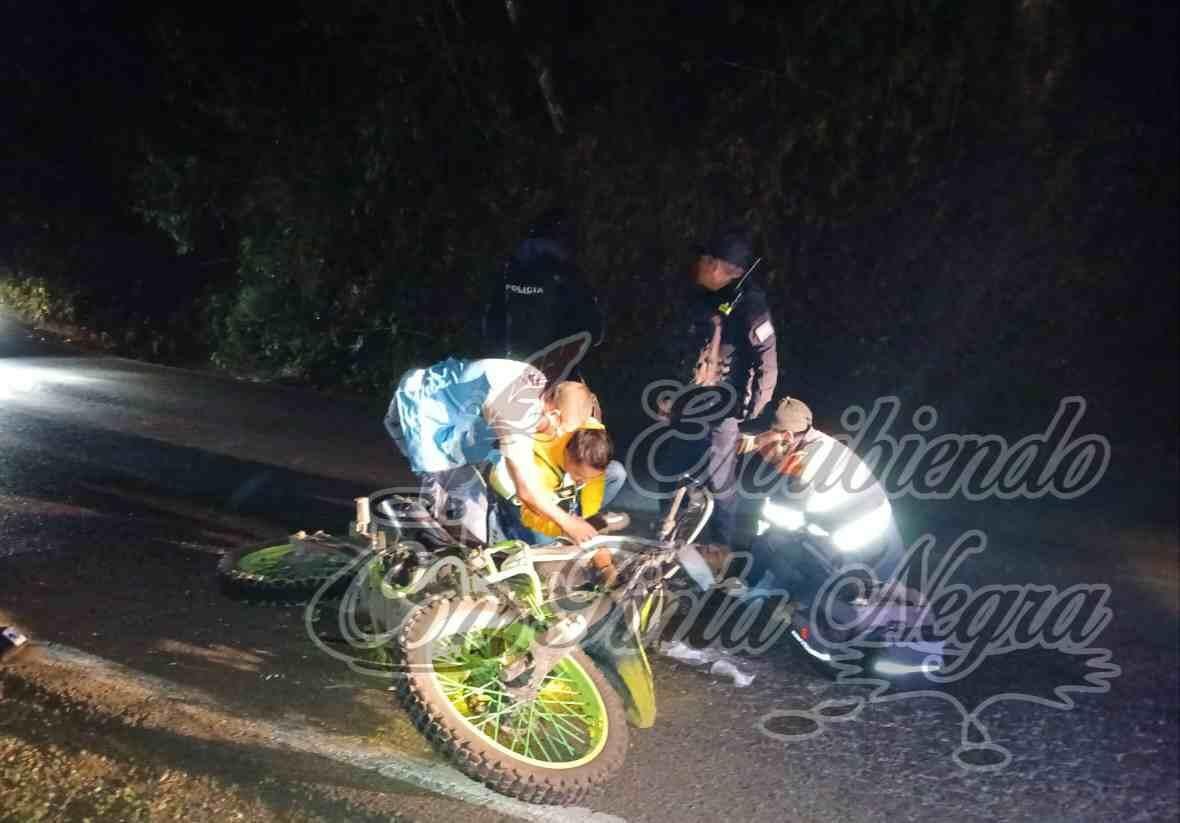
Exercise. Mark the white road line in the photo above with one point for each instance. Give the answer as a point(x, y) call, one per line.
point(435, 777)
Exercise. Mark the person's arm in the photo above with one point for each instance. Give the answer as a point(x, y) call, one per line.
point(750, 442)
point(513, 414)
point(523, 472)
point(764, 354)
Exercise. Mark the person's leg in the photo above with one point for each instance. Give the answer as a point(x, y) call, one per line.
point(432, 490)
point(512, 528)
point(678, 456)
point(465, 487)
point(536, 538)
point(722, 474)
point(503, 518)
point(616, 478)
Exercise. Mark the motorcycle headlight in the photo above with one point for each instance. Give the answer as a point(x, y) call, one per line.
point(855, 535)
point(783, 516)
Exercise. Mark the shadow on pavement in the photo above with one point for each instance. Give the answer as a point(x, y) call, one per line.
point(284, 780)
point(109, 543)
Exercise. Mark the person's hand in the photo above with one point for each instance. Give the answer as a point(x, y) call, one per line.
point(579, 530)
point(772, 445)
point(664, 409)
point(746, 444)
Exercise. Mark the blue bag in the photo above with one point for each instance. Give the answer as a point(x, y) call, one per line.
point(440, 415)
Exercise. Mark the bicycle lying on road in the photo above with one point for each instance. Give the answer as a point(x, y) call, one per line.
point(522, 664)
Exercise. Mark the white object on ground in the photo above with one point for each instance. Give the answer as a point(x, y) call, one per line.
point(723, 664)
point(726, 668)
point(687, 654)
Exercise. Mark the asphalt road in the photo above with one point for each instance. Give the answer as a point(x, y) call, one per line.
point(120, 484)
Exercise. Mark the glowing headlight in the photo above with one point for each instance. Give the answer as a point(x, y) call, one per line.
point(782, 516)
point(854, 535)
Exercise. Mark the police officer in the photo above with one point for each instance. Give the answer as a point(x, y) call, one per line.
point(540, 297)
point(727, 339)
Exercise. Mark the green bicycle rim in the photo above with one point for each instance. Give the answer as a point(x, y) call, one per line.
point(280, 563)
point(567, 718)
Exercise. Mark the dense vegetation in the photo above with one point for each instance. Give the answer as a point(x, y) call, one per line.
point(969, 204)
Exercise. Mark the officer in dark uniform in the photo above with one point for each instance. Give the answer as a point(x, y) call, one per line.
point(727, 340)
point(540, 296)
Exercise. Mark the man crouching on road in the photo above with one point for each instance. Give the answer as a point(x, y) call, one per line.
point(821, 476)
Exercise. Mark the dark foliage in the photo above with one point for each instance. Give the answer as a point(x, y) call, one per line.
point(970, 205)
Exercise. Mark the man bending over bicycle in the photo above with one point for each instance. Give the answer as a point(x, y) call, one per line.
point(451, 416)
point(576, 469)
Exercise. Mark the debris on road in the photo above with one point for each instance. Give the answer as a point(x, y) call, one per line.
point(723, 665)
point(726, 668)
point(12, 643)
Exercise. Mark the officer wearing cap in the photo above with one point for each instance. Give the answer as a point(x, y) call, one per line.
point(727, 339)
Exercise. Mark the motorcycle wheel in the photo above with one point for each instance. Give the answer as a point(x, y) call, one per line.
point(278, 575)
point(553, 748)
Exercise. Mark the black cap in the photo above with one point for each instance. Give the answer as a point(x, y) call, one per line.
point(733, 244)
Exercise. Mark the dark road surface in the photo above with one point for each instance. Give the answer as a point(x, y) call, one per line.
point(121, 482)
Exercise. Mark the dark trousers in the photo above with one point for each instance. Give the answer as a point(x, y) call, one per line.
point(722, 468)
point(713, 457)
